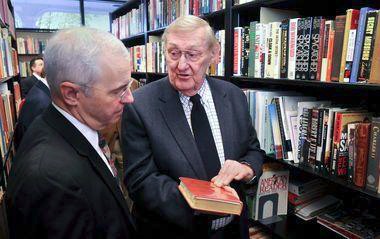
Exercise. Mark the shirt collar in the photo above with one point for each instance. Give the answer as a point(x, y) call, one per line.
point(90, 134)
point(41, 79)
point(203, 92)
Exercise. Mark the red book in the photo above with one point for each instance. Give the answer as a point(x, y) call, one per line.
point(362, 142)
point(204, 196)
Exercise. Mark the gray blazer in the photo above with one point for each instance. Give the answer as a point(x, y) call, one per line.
point(158, 148)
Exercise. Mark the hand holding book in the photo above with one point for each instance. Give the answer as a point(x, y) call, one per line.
point(233, 170)
point(206, 197)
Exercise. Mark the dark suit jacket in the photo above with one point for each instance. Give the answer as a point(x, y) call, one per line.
point(37, 100)
point(27, 84)
point(158, 148)
point(59, 187)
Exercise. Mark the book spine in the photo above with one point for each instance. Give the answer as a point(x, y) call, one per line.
point(252, 39)
point(351, 143)
point(313, 137)
point(292, 53)
point(315, 48)
point(325, 50)
point(335, 144)
point(281, 127)
point(359, 43)
point(245, 51)
point(374, 158)
point(367, 51)
point(346, 32)
point(284, 48)
point(340, 22)
point(269, 51)
point(374, 76)
point(362, 137)
point(321, 48)
point(300, 67)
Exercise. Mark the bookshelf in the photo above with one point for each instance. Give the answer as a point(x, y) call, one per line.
point(10, 96)
point(355, 94)
point(30, 43)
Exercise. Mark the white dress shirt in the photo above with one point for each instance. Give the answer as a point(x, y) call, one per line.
point(90, 134)
point(41, 79)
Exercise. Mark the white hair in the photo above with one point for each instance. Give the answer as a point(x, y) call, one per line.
point(74, 55)
point(190, 23)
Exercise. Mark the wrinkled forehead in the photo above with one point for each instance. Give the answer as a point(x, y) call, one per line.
point(187, 39)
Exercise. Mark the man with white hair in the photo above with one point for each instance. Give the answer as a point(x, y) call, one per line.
point(187, 125)
point(61, 183)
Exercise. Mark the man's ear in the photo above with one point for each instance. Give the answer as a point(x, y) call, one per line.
point(69, 92)
point(215, 53)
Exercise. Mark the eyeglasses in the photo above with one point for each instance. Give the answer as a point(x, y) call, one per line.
point(118, 94)
point(192, 56)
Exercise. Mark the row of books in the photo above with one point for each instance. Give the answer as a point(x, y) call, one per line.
point(333, 140)
point(162, 12)
point(346, 49)
point(30, 45)
point(138, 59)
point(155, 56)
point(7, 16)
point(24, 68)
point(218, 68)
point(8, 55)
point(130, 24)
point(353, 223)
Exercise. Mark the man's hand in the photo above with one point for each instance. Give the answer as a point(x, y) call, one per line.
point(232, 170)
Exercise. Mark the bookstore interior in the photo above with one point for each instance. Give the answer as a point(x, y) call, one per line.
point(311, 76)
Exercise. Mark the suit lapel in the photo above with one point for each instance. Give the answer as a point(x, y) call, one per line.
point(223, 110)
point(70, 133)
point(43, 87)
point(174, 116)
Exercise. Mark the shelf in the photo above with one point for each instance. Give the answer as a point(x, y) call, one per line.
point(282, 226)
point(256, 4)
point(250, 82)
point(211, 15)
point(30, 54)
point(136, 37)
point(157, 31)
point(207, 16)
point(5, 79)
point(331, 178)
point(130, 4)
point(217, 77)
point(155, 74)
point(36, 30)
point(138, 74)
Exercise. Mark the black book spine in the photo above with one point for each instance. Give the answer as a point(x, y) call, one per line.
point(284, 48)
point(308, 24)
point(314, 49)
point(300, 45)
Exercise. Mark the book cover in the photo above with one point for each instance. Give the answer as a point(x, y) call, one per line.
point(272, 192)
point(204, 196)
point(339, 157)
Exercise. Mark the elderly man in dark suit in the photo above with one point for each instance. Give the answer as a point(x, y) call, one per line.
point(187, 125)
point(62, 184)
point(36, 65)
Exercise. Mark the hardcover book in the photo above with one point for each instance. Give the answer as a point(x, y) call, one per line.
point(205, 197)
